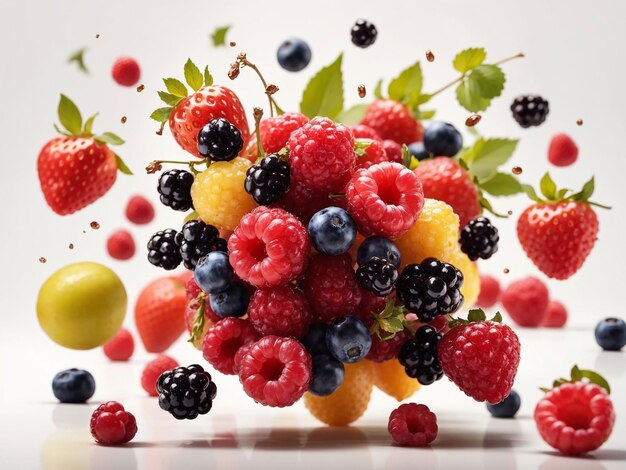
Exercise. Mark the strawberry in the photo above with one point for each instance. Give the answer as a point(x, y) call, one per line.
point(79, 167)
point(392, 120)
point(187, 114)
point(558, 232)
point(159, 313)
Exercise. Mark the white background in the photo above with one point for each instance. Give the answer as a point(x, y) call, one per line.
point(574, 59)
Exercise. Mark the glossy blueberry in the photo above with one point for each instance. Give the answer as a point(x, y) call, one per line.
point(380, 247)
point(611, 334)
point(293, 54)
point(213, 272)
point(232, 302)
point(507, 408)
point(315, 339)
point(418, 151)
point(327, 374)
point(73, 386)
point(348, 339)
point(332, 231)
point(442, 139)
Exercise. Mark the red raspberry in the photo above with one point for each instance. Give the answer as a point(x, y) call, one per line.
point(369, 306)
point(331, 287)
point(239, 355)
point(393, 120)
point(393, 150)
point(383, 350)
point(562, 150)
point(111, 424)
point(269, 247)
point(153, 371)
point(481, 358)
point(276, 371)
point(304, 202)
point(526, 301)
point(193, 290)
point(440, 323)
point(575, 417)
point(126, 71)
point(120, 347)
point(364, 132)
point(139, 210)
point(413, 425)
point(489, 291)
point(121, 245)
point(385, 199)
point(321, 155)
point(280, 311)
point(556, 315)
point(275, 132)
point(373, 154)
point(223, 340)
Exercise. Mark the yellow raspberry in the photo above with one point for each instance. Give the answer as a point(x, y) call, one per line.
point(389, 376)
point(471, 283)
point(349, 401)
point(219, 196)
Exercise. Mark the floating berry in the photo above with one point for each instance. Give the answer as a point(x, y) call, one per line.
point(126, 71)
point(479, 239)
point(163, 252)
point(196, 240)
point(556, 315)
point(412, 425)
point(186, 392)
point(73, 386)
point(442, 139)
point(268, 180)
point(139, 210)
point(348, 339)
point(526, 301)
point(611, 334)
point(332, 231)
point(562, 151)
point(219, 140)
point(530, 110)
point(121, 245)
point(489, 291)
point(363, 33)
point(153, 371)
point(175, 189)
point(111, 424)
point(120, 347)
point(293, 54)
point(507, 408)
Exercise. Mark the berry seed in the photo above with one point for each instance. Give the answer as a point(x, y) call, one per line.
point(123, 119)
point(140, 88)
point(517, 170)
point(42, 259)
point(579, 122)
point(472, 120)
point(362, 91)
point(94, 225)
point(430, 57)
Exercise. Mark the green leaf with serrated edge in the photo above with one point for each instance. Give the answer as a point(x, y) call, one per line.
point(488, 80)
point(424, 115)
point(69, 115)
point(353, 115)
point(597, 379)
point(378, 91)
point(208, 78)
point(169, 99)
point(79, 58)
point(587, 191)
point(488, 155)
point(88, 127)
point(469, 98)
point(548, 187)
point(121, 166)
point(109, 138)
point(476, 314)
point(361, 146)
point(467, 59)
point(576, 374)
point(501, 184)
point(161, 114)
point(175, 87)
point(407, 86)
point(323, 95)
point(531, 193)
point(193, 76)
point(219, 35)
point(406, 156)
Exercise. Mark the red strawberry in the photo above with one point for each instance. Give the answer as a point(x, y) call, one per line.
point(392, 120)
point(562, 150)
point(78, 168)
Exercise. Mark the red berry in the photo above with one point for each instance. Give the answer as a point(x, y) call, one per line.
point(526, 301)
point(280, 311)
point(304, 202)
point(139, 210)
point(374, 153)
point(364, 132)
point(275, 132)
point(126, 71)
point(385, 199)
point(440, 323)
point(384, 350)
point(239, 355)
point(393, 150)
point(269, 247)
point(120, 347)
point(369, 306)
point(276, 371)
point(223, 340)
point(392, 120)
point(121, 245)
point(413, 425)
point(562, 150)
point(110, 424)
point(575, 417)
point(556, 315)
point(489, 291)
point(153, 371)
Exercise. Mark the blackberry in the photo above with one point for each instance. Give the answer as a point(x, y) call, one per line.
point(163, 251)
point(479, 239)
point(430, 288)
point(419, 356)
point(267, 180)
point(378, 276)
point(219, 140)
point(196, 240)
point(186, 392)
point(175, 189)
point(363, 33)
point(530, 110)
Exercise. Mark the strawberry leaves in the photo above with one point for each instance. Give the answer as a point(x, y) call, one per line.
point(407, 87)
point(551, 193)
point(79, 58)
point(70, 116)
point(467, 59)
point(219, 35)
point(474, 316)
point(581, 375)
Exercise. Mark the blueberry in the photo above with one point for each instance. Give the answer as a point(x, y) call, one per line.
point(332, 231)
point(507, 408)
point(380, 247)
point(315, 339)
point(293, 54)
point(213, 272)
point(328, 375)
point(442, 139)
point(348, 339)
point(611, 334)
point(232, 302)
point(73, 386)
point(418, 151)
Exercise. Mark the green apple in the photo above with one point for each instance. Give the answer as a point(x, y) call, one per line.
point(82, 305)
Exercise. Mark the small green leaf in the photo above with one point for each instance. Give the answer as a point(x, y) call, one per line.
point(378, 91)
point(352, 115)
point(56, 128)
point(79, 58)
point(406, 88)
point(576, 374)
point(502, 184)
point(487, 155)
point(169, 99)
point(406, 156)
point(219, 35)
point(476, 314)
point(279, 110)
point(391, 325)
point(531, 193)
point(469, 98)
point(586, 192)
point(208, 78)
point(497, 318)
point(488, 79)
point(485, 204)
point(193, 76)
point(361, 146)
point(89, 124)
point(121, 166)
point(545, 389)
point(175, 87)
point(323, 95)
point(424, 115)
point(597, 379)
point(548, 187)
point(69, 115)
point(467, 59)
point(161, 114)
point(423, 98)
point(109, 138)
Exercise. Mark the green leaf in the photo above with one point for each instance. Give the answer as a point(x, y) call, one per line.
point(208, 78)
point(193, 76)
point(391, 325)
point(175, 87)
point(576, 374)
point(323, 95)
point(423, 98)
point(531, 193)
point(467, 59)
point(219, 35)
point(56, 128)
point(485, 204)
point(489, 80)
point(352, 115)
point(424, 115)
point(169, 99)
point(548, 187)
point(487, 155)
point(497, 318)
point(406, 88)
point(502, 184)
point(469, 98)
point(89, 124)
point(109, 138)
point(69, 115)
point(198, 320)
point(586, 192)
point(378, 91)
point(597, 379)
point(121, 166)
point(279, 110)
point(406, 156)
point(361, 146)
point(79, 58)
point(161, 114)
point(476, 314)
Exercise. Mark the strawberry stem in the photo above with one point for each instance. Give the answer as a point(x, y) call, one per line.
point(258, 115)
point(269, 89)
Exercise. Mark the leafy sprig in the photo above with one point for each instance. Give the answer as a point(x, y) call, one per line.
point(474, 315)
point(390, 321)
point(551, 193)
point(581, 375)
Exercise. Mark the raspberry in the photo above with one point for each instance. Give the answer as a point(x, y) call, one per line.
point(219, 196)
point(321, 155)
point(153, 371)
point(413, 425)
point(363, 33)
point(489, 291)
point(275, 132)
point(575, 418)
point(219, 140)
point(163, 250)
point(393, 150)
point(279, 311)
point(120, 347)
point(126, 71)
point(526, 301)
point(479, 239)
point(110, 424)
point(364, 132)
point(196, 240)
point(530, 110)
point(139, 210)
point(385, 350)
point(419, 356)
point(373, 154)
point(268, 180)
point(186, 392)
point(369, 306)
point(392, 120)
point(269, 247)
point(330, 286)
point(174, 189)
point(304, 202)
point(389, 377)
point(562, 151)
point(378, 276)
point(386, 199)
point(223, 340)
point(239, 355)
point(276, 371)
point(120, 245)
point(556, 315)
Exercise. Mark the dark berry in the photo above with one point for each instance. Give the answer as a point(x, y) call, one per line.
point(231, 302)
point(419, 356)
point(380, 247)
point(327, 374)
point(268, 180)
point(293, 54)
point(418, 150)
point(332, 231)
point(378, 276)
point(213, 273)
point(73, 386)
point(442, 139)
point(348, 339)
point(174, 189)
point(611, 334)
point(186, 392)
point(315, 339)
point(530, 110)
point(430, 288)
point(363, 33)
point(163, 251)
point(479, 239)
point(507, 408)
point(219, 140)
point(196, 240)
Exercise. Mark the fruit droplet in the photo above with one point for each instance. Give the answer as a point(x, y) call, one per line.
point(579, 122)
point(517, 170)
point(362, 91)
point(94, 225)
point(42, 259)
point(505, 270)
point(430, 56)
point(97, 35)
point(472, 120)
point(123, 119)
point(232, 43)
point(140, 88)
point(510, 212)
point(71, 246)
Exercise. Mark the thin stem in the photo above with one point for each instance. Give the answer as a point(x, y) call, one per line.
point(243, 60)
point(519, 55)
point(258, 115)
